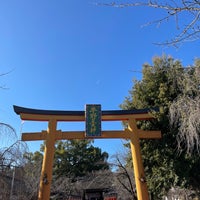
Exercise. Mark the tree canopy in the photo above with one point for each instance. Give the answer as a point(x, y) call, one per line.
point(162, 86)
point(76, 158)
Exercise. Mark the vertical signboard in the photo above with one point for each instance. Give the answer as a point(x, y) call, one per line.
point(93, 120)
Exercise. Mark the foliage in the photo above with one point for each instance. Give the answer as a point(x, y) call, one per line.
point(186, 15)
point(75, 158)
point(165, 167)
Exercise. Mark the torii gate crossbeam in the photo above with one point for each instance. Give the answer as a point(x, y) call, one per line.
point(52, 134)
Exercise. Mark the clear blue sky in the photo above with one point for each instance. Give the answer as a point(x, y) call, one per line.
point(64, 54)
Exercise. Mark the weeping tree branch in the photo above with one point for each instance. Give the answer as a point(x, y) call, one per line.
point(9, 127)
point(13, 155)
point(185, 111)
point(12, 149)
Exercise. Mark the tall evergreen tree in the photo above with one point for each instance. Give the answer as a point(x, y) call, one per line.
point(165, 167)
point(76, 158)
point(73, 158)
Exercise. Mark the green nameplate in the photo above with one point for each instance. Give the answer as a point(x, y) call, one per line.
point(93, 120)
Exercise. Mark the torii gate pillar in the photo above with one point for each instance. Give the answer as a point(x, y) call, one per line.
point(47, 165)
point(142, 191)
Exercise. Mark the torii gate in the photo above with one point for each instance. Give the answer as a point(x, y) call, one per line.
point(92, 120)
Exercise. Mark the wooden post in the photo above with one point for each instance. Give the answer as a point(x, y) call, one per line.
point(140, 181)
point(46, 174)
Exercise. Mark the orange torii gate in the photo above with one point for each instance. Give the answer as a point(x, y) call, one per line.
point(93, 115)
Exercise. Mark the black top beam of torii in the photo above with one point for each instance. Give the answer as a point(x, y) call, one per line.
point(22, 110)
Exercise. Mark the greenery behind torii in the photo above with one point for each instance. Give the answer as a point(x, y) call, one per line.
point(74, 158)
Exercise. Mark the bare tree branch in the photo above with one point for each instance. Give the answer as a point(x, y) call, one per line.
point(124, 176)
point(3, 74)
point(188, 30)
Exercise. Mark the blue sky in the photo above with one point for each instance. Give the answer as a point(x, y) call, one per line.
point(64, 54)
